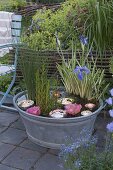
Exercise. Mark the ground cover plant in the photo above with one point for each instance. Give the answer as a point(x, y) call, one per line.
point(85, 155)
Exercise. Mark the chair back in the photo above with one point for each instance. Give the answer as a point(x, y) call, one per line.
point(16, 28)
point(10, 27)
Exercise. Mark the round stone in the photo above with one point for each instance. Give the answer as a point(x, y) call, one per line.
point(86, 113)
point(25, 104)
point(58, 113)
point(90, 105)
point(65, 101)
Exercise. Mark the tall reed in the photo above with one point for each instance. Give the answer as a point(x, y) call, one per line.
point(43, 97)
point(99, 24)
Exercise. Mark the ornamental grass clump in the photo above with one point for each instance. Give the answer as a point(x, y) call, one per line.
point(81, 77)
point(43, 97)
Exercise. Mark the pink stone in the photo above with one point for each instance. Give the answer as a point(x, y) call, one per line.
point(90, 105)
point(73, 109)
point(35, 110)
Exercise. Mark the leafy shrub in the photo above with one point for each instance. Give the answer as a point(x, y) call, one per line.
point(47, 22)
point(90, 17)
point(11, 5)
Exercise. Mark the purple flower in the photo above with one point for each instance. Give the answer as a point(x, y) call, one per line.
point(111, 92)
point(110, 127)
point(83, 40)
point(109, 101)
point(85, 69)
point(111, 112)
point(80, 70)
point(80, 76)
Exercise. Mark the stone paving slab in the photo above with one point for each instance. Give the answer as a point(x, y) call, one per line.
point(18, 125)
point(30, 145)
point(5, 149)
point(2, 128)
point(13, 136)
point(22, 158)
point(4, 167)
point(48, 162)
point(7, 118)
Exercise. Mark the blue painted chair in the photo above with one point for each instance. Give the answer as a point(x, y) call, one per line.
point(15, 28)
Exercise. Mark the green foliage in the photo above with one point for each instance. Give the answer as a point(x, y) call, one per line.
point(43, 98)
point(90, 17)
point(87, 156)
point(46, 23)
point(111, 65)
point(37, 84)
point(92, 85)
point(11, 5)
point(28, 69)
point(4, 82)
point(99, 24)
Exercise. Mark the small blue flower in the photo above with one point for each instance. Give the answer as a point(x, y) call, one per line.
point(111, 112)
point(111, 92)
point(110, 127)
point(109, 101)
point(83, 40)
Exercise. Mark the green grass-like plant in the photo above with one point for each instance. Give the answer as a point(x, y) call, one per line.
point(92, 85)
point(99, 24)
point(43, 97)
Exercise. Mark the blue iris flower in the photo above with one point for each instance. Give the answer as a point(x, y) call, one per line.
point(80, 71)
point(83, 40)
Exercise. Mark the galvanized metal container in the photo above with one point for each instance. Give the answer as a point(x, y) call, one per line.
point(51, 132)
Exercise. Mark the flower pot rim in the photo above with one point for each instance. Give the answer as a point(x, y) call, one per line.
point(53, 119)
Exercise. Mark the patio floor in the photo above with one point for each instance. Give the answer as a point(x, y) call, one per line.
point(18, 153)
